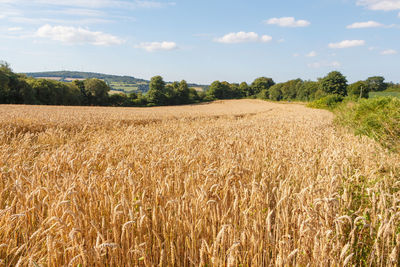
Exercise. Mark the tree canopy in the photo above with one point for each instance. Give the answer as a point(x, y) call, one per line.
point(334, 83)
point(20, 89)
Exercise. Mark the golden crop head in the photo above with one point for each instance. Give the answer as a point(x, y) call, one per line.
point(231, 183)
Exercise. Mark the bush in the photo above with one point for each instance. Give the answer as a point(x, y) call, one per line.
point(327, 102)
point(377, 118)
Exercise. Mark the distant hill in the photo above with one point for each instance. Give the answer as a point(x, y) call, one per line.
point(117, 83)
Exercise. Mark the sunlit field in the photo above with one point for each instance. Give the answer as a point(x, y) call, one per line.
point(231, 183)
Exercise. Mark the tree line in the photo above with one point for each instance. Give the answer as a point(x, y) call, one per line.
point(19, 89)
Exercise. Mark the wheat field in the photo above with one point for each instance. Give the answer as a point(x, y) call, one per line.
point(231, 183)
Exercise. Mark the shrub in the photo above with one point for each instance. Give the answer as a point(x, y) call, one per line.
point(327, 102)
point(377, 118)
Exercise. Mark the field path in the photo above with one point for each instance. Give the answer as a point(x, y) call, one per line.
point(232, 182)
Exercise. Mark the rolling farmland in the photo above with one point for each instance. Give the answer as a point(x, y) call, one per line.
point(231, 183)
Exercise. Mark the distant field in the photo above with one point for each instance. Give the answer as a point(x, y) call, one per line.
point(378, 94)
point(230, 183)
point(126, 87)
point(51, 78)
point(113, 92)
point(198, 89)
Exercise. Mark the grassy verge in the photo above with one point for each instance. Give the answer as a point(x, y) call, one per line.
point(385, 93)
point(377, 118)
point(329, 102)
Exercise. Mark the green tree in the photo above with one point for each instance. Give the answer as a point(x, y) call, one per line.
point(98, 90)
point(183, 93)
point(245, 89)
point(334, 83)
point(86, 97)
point(119, 100)
point(262, 83)
point(44, 91)
point(307, 91)
point(275, 92)
point(358, 89)
point(194, 96)
point(217, 90)
point(156, 94)
point(4, 83)
point(27, 93)
point(290, 88)
point(376, 84)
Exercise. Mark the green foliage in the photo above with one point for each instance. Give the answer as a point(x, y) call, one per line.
point(376, 84)
point(327, 102)
point(383, 94)
point(308, 91)
point(260, 84)
point(294, 90)
point(245, 89)
point(124, 84)
point(275, 92)
point(393, 88)
point(157, 93)
point(359, 89)
point(377, 118)
point(334, 83)
point(94, 90)
point(183, 93)
point(97, 90)
point(219, 90)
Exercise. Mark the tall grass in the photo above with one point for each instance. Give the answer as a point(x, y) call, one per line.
point(233, 183)
point(384, 94)
point(377, 118)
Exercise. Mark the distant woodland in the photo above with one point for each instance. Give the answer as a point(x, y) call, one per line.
point(94, 89)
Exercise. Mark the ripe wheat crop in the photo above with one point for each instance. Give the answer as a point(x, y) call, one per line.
point(232, 183)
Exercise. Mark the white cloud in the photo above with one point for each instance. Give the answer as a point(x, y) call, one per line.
point(14, 29)
point(367, 24)
point(153, 4)
point(265, 38)
point(389, 52)
point(158, 46)
point(79, 35)
point(347, 44)
point(288, 22)
point(80, 12)
point(385, 5)
point(243, 37)
point(312, 54)
point(317, 65)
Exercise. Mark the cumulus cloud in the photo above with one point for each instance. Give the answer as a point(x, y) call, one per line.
point(157, 46)
point(385, 5)
point(14, 29)
point(389, 52)
point(288, 22)
point(72, 35)
point(312, 54)
point(243, 37)
point(367, 24)
point(347, 44)
point(317, 65)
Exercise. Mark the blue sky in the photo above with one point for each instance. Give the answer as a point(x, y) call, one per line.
point(203, 41)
